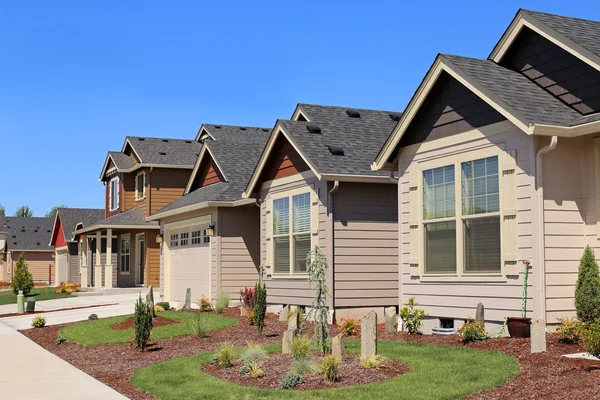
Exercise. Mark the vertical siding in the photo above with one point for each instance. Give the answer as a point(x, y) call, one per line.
point(456, 299)
point(366, 245)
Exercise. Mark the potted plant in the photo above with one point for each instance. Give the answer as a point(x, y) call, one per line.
point(520, 327)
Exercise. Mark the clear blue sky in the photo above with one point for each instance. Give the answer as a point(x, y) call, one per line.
point(77, 77)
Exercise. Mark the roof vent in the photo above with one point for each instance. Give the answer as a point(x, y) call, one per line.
point(336, 150)
point(188, 141)
point(217, 126)
point(162, 153)
point(14, 243)
point(242, 128)
point(38, 243)
point(23, 230)
point(313, 128)
point(395, 116)
point(166, 140)
point(14, 236)
point(353, 113)
point(35, 230)
point(265, 130)
point(48, 231)
point(141, 139)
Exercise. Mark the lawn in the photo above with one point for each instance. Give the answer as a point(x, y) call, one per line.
point(43, 293)
point(91, 333)
point(437, 372)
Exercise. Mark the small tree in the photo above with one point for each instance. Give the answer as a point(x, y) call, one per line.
point(2, 211)
point(260, 306)
point(24, 211)
point(21, 279)
point(53, 211)
point(143, 323)
point(587, 291)
point(317, 273)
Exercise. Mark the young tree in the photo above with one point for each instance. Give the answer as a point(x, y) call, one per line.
point(143, 323)
point(53, 211)
point(24, 211)
point(587, 291)
point(2, 211)
point(260, 306)
point(22, 279)
point(316, 263)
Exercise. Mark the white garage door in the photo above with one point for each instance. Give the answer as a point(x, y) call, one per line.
point(62, 268)
point(189, 252)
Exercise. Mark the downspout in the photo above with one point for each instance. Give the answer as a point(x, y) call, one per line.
point(149, 190)
point(541, 267)
point(399, 231)
point(392, 178)
point(330, 274)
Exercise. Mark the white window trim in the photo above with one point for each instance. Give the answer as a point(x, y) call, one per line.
point(461, 275)
point(110, 199)
point(137, 193)
point(128, 237)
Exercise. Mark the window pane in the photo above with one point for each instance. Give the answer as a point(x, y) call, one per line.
point(140, 186)
point(440, 247)
point(301, 250)
point(301, 212)
point(480, 186)
point(438, 193)
point(281, 216)
point(482, 244)
point(282, 254)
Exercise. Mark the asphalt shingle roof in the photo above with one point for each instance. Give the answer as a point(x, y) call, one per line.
point(121, 160)
point(132, 217)
point(27, 233)
point(182, 152)
point(70, 217)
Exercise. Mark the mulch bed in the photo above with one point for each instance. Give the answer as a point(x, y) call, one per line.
point(276, 367)
point(129, 323)
point(542, 376)
point(51, 311)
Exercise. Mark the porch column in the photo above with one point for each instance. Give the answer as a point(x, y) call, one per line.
point(98, 268)
point(108, 273)
point(83, 267)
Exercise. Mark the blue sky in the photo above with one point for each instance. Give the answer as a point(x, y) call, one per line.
point(77, 77)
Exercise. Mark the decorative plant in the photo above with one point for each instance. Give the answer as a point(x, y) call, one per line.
point(247, 297)
point(253, 353)
point(61, 340)
point(38, 321)
point(472, 331)
point(205, 304)
point(330, 368)
point(198, 325)
point(412, 316)
point(300, 346)
point(158, 308)
point(222, 302)
point(21, 279)
point(291, 380)
point(316, 264)
point(570, 330)
point(225, 355)
point(591, 340)
point(260, 306)
point(524, 292)
point(93, 317)
point(255, 370)
point(372, 362)
point(143, 323)
point(164, 304)
point(587, 291)
point(304, 366)
point(350, 326)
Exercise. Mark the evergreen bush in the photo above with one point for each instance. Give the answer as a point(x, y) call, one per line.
point(260, 306)
point(21, 279)
point(143, 323)
point(587, 291)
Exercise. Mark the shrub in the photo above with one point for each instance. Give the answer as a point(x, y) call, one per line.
point(198, 325)
point(61, 340)
point(260, 306)
point(244, 370)
point(164, 304)
point(301, 346)
point(591, 340)
point(304, 366)
point(214, 360)
point(67, 287)
point(255, 370)
point(472, 331)
point(329, 367)
point(253, 353)
point(143, 323)
point(225, 355)
point(250, 316)
point(291, 380)
point(316, 266)
point(38, 322)
point(222, 302)
point(93, 317)
point(205, 304)
point(21, 279)
point(375, 362)
point(158, 308)
point(412, 316)
point(587, 291)
point(350, 326)
point(247, 297)
point(570, 330)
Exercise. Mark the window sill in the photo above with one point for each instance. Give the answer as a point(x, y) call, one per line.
point(125, 273)
point(280, 275)
point(463, 278)
point(140, 199)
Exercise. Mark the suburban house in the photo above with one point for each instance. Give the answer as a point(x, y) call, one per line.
point(211, 235)
point(499, 166)
point(66, 244)
point(315, 187)
point(30, 236)
point(145, 176)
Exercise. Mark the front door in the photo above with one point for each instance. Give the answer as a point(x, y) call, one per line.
point(140, 256)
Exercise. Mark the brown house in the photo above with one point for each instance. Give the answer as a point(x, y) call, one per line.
point(145, 176)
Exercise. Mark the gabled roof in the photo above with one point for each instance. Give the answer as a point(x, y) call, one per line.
point(130, 219)
point(27, 234)
point(72, 218)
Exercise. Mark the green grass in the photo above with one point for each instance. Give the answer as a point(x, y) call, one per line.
point(43, 293)
point(438, 372)
point(91, 333)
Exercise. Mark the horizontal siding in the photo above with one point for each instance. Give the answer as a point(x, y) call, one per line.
point(39, 264)
point(166, 186)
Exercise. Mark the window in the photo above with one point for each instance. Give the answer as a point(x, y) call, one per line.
point(174, 240)
point(125, 254)
point(475, 215)
point(140, 186)
point(205, 237)
point(291, 233)
point(113, 194)
point(184, 238)
point(197, 237)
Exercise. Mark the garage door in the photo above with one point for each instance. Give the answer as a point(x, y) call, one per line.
point(62, 267)
point(189, 252)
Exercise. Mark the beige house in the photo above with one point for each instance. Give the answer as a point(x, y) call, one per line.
point(315, 188)
point(499, 163)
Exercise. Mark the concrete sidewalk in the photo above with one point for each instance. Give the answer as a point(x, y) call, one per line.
point(30, 372)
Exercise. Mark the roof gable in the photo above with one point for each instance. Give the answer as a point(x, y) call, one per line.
point(284, 160)
point(206, 173)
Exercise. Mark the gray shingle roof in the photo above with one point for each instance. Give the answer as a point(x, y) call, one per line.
point(132, 217)
point(70, 217)
point(221, 191)
point(121, 160)
point(176, 151)
point(27, 233)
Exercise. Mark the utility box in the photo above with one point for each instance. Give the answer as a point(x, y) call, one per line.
point(30, 304)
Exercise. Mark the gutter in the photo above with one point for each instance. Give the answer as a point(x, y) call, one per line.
point(539, 180)
point(199, 206)
point(392, 178)
point(330, 275)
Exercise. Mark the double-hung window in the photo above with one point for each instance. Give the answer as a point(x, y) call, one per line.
point(140, 186)
point(125, 254)
point(291, 233)
point(113, 194)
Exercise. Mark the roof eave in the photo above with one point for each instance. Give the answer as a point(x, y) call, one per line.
point(199, 206)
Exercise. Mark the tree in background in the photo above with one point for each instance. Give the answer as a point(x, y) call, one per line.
point(22, 279)
point(587, 291)
point(24, 211)
point(2, 211)
point(53, 211)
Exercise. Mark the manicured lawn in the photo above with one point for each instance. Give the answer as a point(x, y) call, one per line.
point(44, 293)
point(438, 372)
point(91, 333)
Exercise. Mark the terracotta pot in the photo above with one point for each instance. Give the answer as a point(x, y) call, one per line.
point(519, 327)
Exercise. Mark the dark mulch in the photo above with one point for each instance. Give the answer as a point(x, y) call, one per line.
point(129, 323)
point(51, 311)
point(276, 367)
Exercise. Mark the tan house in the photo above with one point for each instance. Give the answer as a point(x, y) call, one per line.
point(315, 187)
point(211, 235)
point(146, 175)
point(30, 236)
point(499, 163)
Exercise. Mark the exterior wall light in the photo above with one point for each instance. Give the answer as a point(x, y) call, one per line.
point(210, 231)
